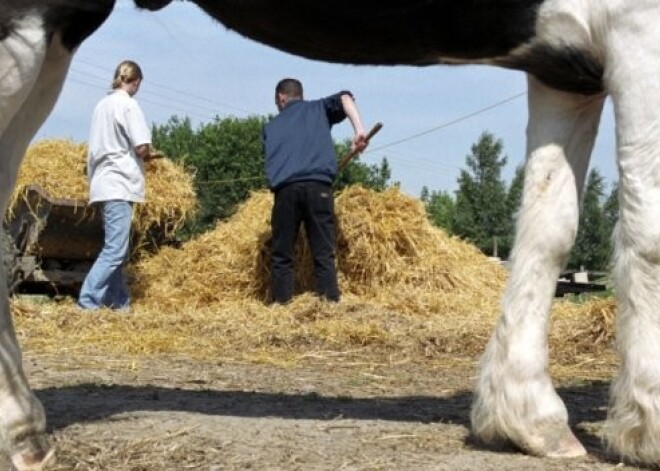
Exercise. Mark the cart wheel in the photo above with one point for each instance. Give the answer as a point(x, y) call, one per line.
point(10, 263)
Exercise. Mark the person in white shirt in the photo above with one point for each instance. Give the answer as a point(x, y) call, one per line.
point(119, 144)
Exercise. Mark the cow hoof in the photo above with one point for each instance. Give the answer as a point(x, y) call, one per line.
point(556, 443)
point(34, 455)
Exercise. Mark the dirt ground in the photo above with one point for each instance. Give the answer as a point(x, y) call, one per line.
point(174, 414)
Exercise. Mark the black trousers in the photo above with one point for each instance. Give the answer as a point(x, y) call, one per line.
point(311, 203)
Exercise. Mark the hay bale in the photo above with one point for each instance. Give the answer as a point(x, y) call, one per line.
point(59, 167)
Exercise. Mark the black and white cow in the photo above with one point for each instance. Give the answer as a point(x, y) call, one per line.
point(575, 53)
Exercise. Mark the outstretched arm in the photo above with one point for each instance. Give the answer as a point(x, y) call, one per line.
point(360, 138)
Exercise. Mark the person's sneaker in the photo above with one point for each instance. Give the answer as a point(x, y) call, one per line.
point(80, 307)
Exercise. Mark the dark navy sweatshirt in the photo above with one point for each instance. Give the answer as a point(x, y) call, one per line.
point(298, 144)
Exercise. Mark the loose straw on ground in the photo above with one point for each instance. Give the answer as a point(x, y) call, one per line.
point(410, 293)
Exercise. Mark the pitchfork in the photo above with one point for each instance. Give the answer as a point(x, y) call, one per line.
point(352, 153)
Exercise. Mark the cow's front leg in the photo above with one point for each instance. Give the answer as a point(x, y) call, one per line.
point(515, 400)
point(34, 68)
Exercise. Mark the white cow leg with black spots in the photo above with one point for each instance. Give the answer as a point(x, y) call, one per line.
point(515, 400)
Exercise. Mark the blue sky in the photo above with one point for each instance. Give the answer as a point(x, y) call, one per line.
point(197, 68)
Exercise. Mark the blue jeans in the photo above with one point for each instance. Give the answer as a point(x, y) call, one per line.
point(105, 284)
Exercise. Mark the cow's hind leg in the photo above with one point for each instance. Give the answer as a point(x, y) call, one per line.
point(515, 400)
point(633, 426)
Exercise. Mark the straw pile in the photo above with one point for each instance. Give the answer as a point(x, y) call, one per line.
point(58, 166)
point(385, 246)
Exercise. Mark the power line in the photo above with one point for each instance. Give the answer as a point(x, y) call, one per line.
point(451, 123)
point(143, 99)
point(145, 91)
point(172, 89)
point(420, 162)
point(230, 180)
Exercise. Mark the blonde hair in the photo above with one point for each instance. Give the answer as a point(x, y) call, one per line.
point(126, 72)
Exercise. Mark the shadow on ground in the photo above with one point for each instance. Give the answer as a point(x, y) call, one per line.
point(92, 402)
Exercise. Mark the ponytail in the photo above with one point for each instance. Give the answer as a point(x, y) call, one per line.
point(126, 72)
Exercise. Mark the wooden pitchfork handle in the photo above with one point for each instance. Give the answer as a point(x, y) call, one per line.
point(352, 153)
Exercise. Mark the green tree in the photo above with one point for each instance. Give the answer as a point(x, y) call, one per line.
point(439, 207)
point(593, 247)
point(513, 200)
point(514, 195)
point(226, 156)
point(481, 214)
